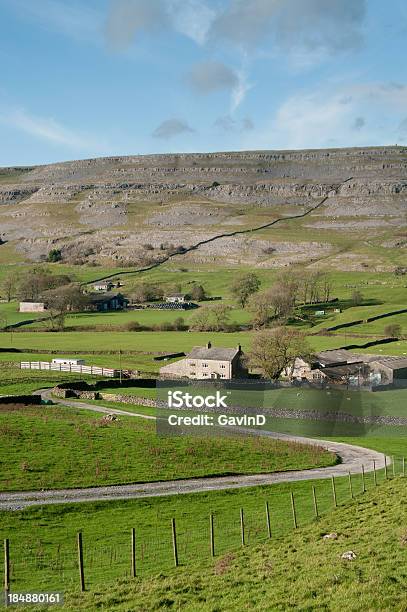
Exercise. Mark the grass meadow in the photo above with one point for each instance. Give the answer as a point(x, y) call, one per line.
point(43, 540)
point(57, 447)
point(297, 570)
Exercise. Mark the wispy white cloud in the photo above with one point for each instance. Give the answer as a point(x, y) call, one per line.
point(193, 18)
point(240, 90)
point(50, 130)
point(207, 77)
point(346, 115)
point(127, 18)
point(334, 25)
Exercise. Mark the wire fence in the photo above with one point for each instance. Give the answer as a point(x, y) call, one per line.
point(83, 561)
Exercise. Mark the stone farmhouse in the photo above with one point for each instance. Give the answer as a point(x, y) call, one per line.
point(206, 363)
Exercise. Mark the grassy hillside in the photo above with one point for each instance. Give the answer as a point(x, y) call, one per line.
point(295, 570)
point(56, 447)
point(303, 571)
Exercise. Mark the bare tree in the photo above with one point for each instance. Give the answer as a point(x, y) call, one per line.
point(65, 299)
point(274, 351)
point(357, 298)
point(277, 302)
point(9, 285)
point(146, 292)
point(244, 286)
point(197, 293)
point(312, 286)
point(260, 307)
point(36, 281)
point(326, 288)
point(211, 318)
point(393, 330)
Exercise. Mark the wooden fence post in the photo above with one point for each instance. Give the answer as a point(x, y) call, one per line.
point(293, 510)
point(6, 565)
point(404, 466)
point(394, 466)
point(363, 480)
point(268, 520)
point(374, 473)
point(174, 542)
point(314, 498)
point(133, 553)
point(80, 560)
point(385, 467)
point(242, 526)
point(211, 535)
point(334, 492)
point(350, 485)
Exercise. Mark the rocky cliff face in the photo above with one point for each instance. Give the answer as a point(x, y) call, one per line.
point(131, 210)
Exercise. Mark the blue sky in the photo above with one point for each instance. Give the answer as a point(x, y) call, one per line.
point(86, 78)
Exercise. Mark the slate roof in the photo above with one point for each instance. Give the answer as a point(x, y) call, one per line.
point(343, 356)
point(100, 298)
point(213, 353)
point(341, 371)
point(335, 356)
point(394, 363)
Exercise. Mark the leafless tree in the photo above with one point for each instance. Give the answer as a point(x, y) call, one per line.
point(274, 351)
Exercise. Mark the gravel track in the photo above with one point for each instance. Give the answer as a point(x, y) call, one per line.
point(352, 459)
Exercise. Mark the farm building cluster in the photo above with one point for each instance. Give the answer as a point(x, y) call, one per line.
point(342, 366)
point(335, 367)
point(103, 299)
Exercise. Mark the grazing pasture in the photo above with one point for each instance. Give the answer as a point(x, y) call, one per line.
point(56, 447)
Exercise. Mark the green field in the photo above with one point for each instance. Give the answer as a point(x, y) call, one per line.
point(154, 342)
point(42, 539)
point(382, 292)
point(299, 571)
point(14, 381)
point(56, 447)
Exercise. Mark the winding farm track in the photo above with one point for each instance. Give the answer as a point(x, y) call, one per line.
point(353, 459)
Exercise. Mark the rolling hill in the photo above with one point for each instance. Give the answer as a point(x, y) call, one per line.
point(133, 211)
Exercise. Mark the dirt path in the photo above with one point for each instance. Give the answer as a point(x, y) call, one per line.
point(352, 458)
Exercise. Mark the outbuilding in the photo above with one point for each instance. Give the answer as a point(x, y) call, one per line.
point(32, 307)
point(68, 361)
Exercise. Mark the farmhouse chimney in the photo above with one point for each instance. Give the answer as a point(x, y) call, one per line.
point(239, 348)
